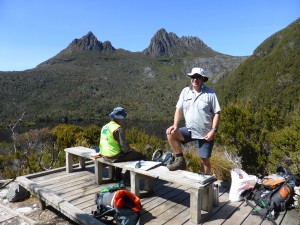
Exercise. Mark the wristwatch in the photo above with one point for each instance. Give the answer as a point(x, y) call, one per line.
point(215, 129)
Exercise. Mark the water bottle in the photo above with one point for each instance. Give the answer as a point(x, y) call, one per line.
point(216, 195)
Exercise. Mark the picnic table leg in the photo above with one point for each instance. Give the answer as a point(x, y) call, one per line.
point(82, 162)
point(69, 162)
point(207, 198)
point(148, 184)
point(195, 205)
point(98, 172)
point(110, 172)
point(135, 183)
point(43, 204)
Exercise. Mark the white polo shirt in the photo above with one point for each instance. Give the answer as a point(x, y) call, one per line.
point(198, 110)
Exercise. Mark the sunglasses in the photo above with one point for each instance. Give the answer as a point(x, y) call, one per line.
point(196, 77)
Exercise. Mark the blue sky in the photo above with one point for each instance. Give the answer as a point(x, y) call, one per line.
point(33, 31)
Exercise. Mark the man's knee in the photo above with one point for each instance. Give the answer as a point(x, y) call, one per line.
point(175, 136)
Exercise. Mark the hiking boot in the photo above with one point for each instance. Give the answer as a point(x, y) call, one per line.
point(178, 164)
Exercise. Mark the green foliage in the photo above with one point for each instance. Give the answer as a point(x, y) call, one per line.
point(91, 135)
point(270, 76)
point(246, 130)
point(285, 145)
point(147, 144)
point(7, 167)
point(66, 135)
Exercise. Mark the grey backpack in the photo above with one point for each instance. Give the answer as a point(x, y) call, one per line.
point(165, 157)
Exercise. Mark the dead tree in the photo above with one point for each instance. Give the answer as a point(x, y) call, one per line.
point(12, 128)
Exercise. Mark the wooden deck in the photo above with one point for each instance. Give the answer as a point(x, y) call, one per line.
point(168, 204)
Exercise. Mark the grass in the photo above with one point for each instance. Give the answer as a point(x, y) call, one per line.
point(220, 166)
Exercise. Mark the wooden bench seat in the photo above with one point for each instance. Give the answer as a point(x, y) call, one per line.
point(200, 194)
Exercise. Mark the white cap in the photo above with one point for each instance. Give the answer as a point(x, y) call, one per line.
point(199, 71)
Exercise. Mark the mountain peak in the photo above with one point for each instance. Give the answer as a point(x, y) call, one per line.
point(161, 43)
point(169, 44)
point(89, 42)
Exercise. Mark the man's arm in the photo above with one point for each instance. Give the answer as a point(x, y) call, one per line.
point(215, 124)
point(177, 118)
point(216, 120)
point(119, 135)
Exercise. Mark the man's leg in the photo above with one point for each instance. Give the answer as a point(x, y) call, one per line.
point(175, 140)
point(129, 156)
point(204, 149)
point(206, 165)
point(132, 156)
point(118, 174)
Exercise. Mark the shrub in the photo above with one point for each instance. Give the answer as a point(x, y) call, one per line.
point(143, 142)
point(220, 166)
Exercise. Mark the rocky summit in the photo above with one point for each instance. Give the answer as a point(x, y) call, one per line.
point(165, 44)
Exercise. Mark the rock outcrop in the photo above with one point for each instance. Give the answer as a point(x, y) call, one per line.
point(89, 43)
point(170, 45)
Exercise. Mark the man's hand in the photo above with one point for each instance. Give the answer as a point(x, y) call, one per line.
point(171, 130)
point(210, 135)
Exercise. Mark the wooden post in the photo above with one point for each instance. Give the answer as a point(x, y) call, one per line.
point(195, 205)
point(98, 171)
point(69, 162)
point(207, 198)
point(135, 183)
point(82, 162)
point(110, 171)
point(149, 184)
point(43, 204)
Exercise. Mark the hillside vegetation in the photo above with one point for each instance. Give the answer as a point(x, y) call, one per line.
point(259, 96)
point(85, 81)
point(271, 76)
point(260, 116)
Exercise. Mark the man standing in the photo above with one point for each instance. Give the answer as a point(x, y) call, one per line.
point(113, 145)
point(201, 110)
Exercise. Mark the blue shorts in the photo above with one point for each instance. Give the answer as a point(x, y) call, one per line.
point(203, 146)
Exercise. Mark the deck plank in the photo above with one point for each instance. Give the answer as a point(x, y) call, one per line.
point(221, 216)
point(56, 178)
point(160, 192)
point(289, 218)
point(181, 217)
point(239, 215)
point(168, 214)
point(4, 216)
point(162, 199)
point(168, 204)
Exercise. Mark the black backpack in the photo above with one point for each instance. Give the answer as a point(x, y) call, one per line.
point(273, 195)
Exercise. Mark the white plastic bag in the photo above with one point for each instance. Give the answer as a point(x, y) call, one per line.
point(240, 181)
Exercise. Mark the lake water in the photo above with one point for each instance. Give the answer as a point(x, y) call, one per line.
point(157, 128)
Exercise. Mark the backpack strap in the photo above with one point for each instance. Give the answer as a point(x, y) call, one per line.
point(264, 213)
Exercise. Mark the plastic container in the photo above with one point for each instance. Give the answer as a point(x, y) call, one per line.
point(215, 195)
